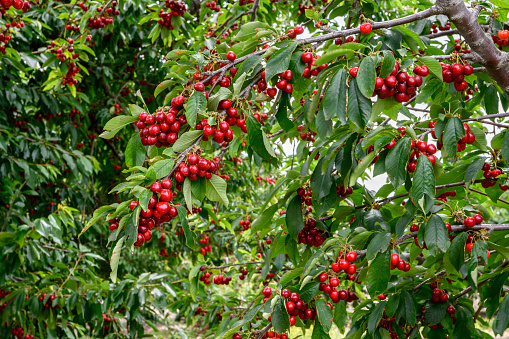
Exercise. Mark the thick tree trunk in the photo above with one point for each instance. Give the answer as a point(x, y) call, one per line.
point(484, 50)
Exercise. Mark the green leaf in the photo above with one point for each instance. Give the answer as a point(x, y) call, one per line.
point(194, 280)
point(491, 101)
point(436, 234)
point(453, 132)
point(249, 30)
point(119, 122)
point(375, 316)
point(340, 315)
point(474, 168)
point(186, 140)
point(135, 110)
point(500, 3)
point(115, 257)
point(216, 190)
point(313, 15)
point(163, 167)
point(293, 216)
point(279, 61)
point(366, 77)
point(162, 86)
point(396, 162)
point(222, 94)
point(324, 314)
point(145, 198)
point(379, 273)
point(318, 331)
point(279, 317)
point(435, 312)
point(457, 250)
point(334, 100)
point(258, 140)
point(308, 292)
point(195, 104)
point(282, 112)
point(407, 307)
point(433, 65)
point(379, 243)
point(423, 184)
point(505, 146)
point(361, 168)
point(264, 220)
point(135, 152)
point(387, 65)
point(392, 305)
point(190, 235)
point(187, 194)
point(359, 107)
point(290, 275)
point(321, 182)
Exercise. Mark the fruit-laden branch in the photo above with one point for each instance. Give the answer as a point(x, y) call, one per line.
point(469, 288)
point(230, 265)
point(455, 184)
point(449, 32)
point(321, 38)
point(462, 228)
point(483, 49)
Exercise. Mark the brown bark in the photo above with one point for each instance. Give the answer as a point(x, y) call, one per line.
point(484, 51)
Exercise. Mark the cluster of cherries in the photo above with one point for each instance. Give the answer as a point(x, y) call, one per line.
point(477, 219)
point(421, 148)
point(106, 320)
point(245, 224)
point(206, 249)
point(501, 40)
point(200, 311)
point(83, 6)
point(443, 196)
point(341, 191)
point(267, 180)
point(293, 32)
point(305, 193)
point(387, 323)
point(461, 47)
point(49, 302)
point(489, 173)
point(17, 4)
point(307, 58)
point(5, 37)
point(213, 6)
point(398, 263)
point(195, 167)
point(243, 272)
point(161, 129)
point(222, 132)
point(102, 21)
point(339, 41)
point(440, 27)
point(469, 137)
point(311, 235)
point(176, 9)
point(456, 73)
point(309, 136)
point(398, 84)
point(59, 51)
point(69, 77)
point(18, 332)
point(3, 294)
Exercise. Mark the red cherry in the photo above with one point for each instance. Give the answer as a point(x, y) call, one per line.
point(478, 219)
point(353, 72)
point(394, 259)
point(469, 247)
point(231, 56)
point(351, 256)
point(306, 57)
point(381, 296)
point(469, 222)
point(365, 28)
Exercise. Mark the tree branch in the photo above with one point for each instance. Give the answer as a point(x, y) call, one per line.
point(484, 50)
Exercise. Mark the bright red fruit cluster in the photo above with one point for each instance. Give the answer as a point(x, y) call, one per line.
point(312, 235)
point(456, 73)
point(398, 263)
point(102, 20)
point(469, 137)
point(162, 129)
point(245, 224)
point(213, 6)
point(477, 219)
point(421, 148)
point(176, 9)
point(196, 167)
point(311, 68)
